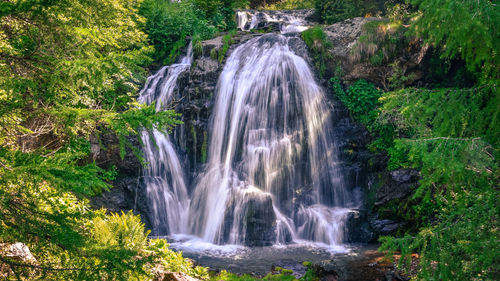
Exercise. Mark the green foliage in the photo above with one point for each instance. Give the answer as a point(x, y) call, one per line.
point(458, 113)
point(460, 244)
point(361, 98)
point(332, 11)
point(169, 23)
point(227, 42)
point(278, 274)
point(315, 38)
point(124, 231)
point(290, 5)
point(69, 72)
point(451, 137)
point(474, 38)
point(171, 261)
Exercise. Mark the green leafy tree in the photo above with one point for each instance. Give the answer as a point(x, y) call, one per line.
point(473, 38)
point(69, 70)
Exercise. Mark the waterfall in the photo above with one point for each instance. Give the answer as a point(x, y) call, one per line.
point(164, 177)
point(273, 172)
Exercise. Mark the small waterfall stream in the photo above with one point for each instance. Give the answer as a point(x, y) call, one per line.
point(164, 176)
point(273, 174)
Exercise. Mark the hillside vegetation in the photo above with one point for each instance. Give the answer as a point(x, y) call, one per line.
point(447, 127)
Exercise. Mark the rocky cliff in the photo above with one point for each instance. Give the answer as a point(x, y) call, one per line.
point(194, 99)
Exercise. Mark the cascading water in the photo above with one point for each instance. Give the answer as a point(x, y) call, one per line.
point(164, 176)
point(287, 22)
point(273, 172)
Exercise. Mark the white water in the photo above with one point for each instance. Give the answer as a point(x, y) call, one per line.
point(164, 177)
point(271, 151)
point(248, 20)
point(272, 173)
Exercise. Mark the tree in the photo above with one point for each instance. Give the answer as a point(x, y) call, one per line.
point(474, 38)
point(68, 69)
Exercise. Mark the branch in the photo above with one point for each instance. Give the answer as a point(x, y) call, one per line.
point(444, 138)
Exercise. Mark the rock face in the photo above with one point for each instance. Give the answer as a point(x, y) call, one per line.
point(346, 34)
point(399, 186)
point(194, 101)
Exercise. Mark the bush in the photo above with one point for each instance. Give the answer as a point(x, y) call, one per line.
point(332, 11)
point(451, 137)
point(361, 98)
point(168, 24)
point(474, 38)
point(290, 5)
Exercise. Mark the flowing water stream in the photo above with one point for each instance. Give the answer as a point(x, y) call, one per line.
point(271, 153)
point(164, 177)
point(273, 175)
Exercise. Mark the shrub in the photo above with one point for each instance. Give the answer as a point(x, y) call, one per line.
point(474, 38)
point(290, 5)
point(332, 11)
point(168, 24)
point(361, 98)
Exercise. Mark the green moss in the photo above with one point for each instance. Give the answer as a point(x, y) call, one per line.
point(204, 148)
point(227, 42)
point(315, 38)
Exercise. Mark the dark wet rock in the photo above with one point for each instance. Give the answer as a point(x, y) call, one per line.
point(300, 48)
point(385, 226)
point(211, 45)
point(260, 222)
point(391, 275)
point(258, 217)
point(329, 270)
point(404, 176)
point(358, 228)
point(118, 198)
point(105, 151)
point(399, 185)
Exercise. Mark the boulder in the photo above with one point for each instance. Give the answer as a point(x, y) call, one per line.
point(260, 222)
point(17, 252)
point(329, 270)
point(358, 228)
point(384, 226)
point(399, 186)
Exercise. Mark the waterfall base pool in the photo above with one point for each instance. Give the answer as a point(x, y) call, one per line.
point(351, 262)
